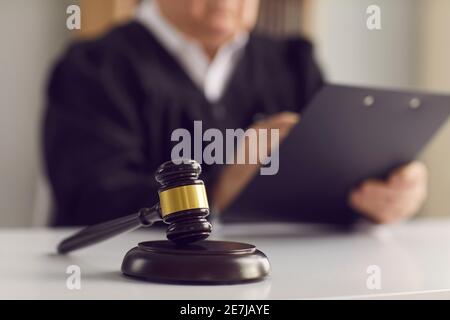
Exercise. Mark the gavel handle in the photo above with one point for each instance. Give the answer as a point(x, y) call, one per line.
point(102, 231)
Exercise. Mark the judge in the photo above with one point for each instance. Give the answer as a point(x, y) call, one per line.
point(113, 103)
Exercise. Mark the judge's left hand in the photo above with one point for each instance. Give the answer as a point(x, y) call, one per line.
point(400, 197)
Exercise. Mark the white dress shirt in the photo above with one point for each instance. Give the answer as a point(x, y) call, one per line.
point(211, 76)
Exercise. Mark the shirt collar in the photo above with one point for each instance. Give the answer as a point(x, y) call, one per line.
point(148, 13)
point(189, 53)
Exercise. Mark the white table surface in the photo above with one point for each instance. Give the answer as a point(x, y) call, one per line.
point(414, 259)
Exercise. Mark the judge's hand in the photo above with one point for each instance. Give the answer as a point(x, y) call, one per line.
point(400, 197)
point(235, 177)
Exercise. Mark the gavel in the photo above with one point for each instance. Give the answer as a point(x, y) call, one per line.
point(183, 206)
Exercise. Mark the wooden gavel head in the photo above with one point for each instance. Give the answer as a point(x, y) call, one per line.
point(183, 201)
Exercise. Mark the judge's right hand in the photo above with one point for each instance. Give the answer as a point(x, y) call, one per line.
point(235, 177)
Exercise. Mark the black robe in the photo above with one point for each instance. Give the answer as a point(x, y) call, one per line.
point(113, 103)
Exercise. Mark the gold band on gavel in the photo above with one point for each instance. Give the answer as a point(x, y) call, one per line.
point(183, 198)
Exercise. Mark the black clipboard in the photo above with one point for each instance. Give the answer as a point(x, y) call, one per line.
point(346, 135)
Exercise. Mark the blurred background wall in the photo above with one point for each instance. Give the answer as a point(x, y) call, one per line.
point(351, 53)
point(434, 74)
point(410, 51)
point(32, 34)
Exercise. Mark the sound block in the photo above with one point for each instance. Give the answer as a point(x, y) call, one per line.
point(204, 262)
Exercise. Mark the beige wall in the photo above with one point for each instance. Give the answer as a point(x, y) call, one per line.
point(32, 34)
point(101, 15)
point(434, 74)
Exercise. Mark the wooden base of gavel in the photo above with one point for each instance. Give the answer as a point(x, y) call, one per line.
point(204, 262)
